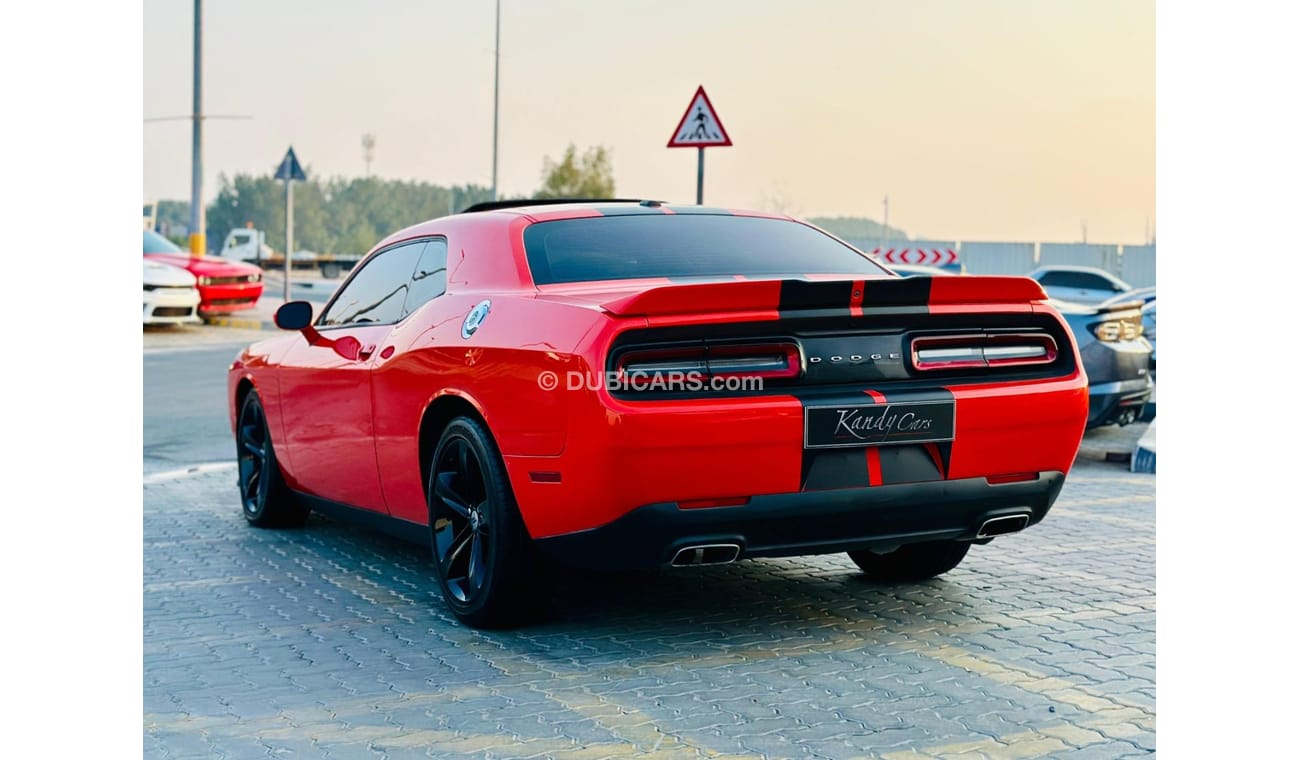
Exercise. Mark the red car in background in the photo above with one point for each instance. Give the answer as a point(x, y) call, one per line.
point(635, 384)
point(224, 286)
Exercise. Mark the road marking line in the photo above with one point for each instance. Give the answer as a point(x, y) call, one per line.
point(188, 472)
point(1031, 743)
point(1114, 708)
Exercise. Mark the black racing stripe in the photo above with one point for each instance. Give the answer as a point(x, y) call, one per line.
point(800, 295)
point(825, 469)
point(912, 463)
point(945, 456)
point(903, 291)
point(907, 464)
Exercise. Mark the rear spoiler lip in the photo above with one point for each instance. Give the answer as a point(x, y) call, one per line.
point(814, 294)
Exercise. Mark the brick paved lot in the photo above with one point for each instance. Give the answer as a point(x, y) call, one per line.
point(333, 642)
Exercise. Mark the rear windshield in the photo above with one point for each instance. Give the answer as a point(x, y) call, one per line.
point(155, 243)
point(684, 246)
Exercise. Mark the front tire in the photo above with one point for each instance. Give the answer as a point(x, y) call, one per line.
point(482, 553)
point(267, 501)
point(912, 562)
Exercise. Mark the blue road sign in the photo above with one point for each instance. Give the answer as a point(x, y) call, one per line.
point(290, 168)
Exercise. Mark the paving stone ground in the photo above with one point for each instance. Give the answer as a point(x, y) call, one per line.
point(331, 641)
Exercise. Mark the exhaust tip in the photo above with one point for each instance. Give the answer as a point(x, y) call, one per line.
point(706, 554)
point(1000, 526)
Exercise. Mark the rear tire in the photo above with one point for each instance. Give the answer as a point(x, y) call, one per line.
point(267, 501)
point(482, 554)
point(912, 562)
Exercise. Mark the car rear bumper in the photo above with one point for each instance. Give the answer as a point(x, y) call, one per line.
point(1120, 401)
point(620, 457)
point(818, 522)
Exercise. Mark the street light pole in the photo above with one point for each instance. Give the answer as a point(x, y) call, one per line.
point(884, 230)
point(496, 98)
point(198, 221)
point(288, 236)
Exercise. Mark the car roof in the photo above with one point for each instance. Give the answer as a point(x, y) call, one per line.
point(1073, 268)
point(549, 210)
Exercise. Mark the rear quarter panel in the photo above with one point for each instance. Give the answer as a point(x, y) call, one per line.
point(496, 370)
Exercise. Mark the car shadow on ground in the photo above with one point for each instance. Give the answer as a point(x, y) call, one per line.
point(685, 614)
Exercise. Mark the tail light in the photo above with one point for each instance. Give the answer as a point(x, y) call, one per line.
point(949, 352)
point(769, 361)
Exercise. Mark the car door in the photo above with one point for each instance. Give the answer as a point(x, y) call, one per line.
point(325, 389)
point(404, 380)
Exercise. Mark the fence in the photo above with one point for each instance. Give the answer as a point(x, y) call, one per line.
point(1135, 264)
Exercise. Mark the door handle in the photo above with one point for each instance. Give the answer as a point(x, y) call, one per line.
point(366, 352)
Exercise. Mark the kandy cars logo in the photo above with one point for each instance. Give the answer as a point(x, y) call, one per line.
point(834, 425)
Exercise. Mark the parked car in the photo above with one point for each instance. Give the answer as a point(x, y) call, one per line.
point(1086, 285)
point(224, 286)
point(1116, 358)
point(919, 270)
point(629, 384)
point(170, 297)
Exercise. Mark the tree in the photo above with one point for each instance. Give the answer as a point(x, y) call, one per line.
point(857, 228)
point(590, 176)
point(346, 216)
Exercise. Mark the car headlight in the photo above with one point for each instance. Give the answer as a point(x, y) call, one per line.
point(205, 280)
point(1117, 329)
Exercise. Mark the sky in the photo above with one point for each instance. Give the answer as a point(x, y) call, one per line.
point(991, 120)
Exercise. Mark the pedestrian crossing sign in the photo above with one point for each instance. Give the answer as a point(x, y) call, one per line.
point(700, 126)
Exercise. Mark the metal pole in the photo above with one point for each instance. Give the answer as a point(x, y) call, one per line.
point(496, 98)
point(198, 220)
point(699, 180)
point(288, 235)
point(884, 231)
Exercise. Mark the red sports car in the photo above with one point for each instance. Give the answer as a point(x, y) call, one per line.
point(224, 286)
point(636, 384)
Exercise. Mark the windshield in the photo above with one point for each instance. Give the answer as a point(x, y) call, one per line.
point(155, 243)
point(706, 246)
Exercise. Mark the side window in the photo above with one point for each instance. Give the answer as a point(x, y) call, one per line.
point(430, 278)
point(1056, 279)
point(378, 292)
point(1092, 282)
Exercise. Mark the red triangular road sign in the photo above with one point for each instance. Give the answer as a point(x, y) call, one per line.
point(700, 126)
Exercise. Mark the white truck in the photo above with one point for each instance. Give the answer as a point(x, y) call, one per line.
point(248, 244)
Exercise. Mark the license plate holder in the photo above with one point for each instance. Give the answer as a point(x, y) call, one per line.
point(827, 426)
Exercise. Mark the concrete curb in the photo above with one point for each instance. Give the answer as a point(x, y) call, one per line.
point(1144, 456)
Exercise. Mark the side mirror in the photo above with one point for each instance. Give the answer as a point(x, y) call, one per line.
point(294, 315)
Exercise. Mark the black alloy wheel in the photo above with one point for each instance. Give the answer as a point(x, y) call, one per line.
point(267, 502)
point(480, 547)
